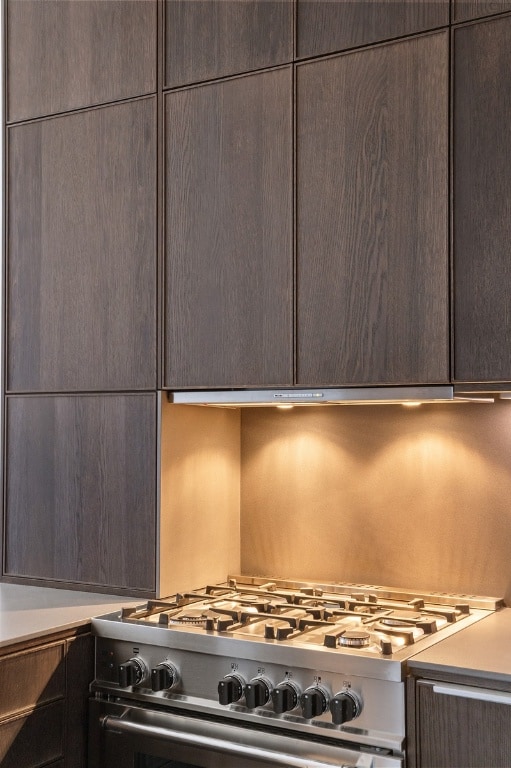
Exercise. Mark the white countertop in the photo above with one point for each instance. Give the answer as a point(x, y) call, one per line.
point(30, 612)
point(482, 650)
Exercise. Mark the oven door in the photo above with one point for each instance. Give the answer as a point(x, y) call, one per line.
point(137, 737)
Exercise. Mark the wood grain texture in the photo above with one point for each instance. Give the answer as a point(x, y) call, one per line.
point(326, 26)
point(80, 497)
point(79, 674)
point(31, 678)
point(81, 260)
point(206, 39)
point(463, 10)
point(482, 201)
point(455, 732)
point(372, 260)
point(229, 233)
point(43, 728)
point(63, 54)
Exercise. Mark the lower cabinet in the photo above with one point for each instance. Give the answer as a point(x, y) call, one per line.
point(43, 703)
point(457, 725)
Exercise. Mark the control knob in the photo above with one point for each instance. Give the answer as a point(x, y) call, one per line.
point(285, 697)
point(164, 676)
point(345, 706)
point(257, 692)
point(230, 689)
point(132, 672)
point(314, 701)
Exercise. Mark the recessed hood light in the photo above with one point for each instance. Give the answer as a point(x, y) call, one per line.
point(315, 396)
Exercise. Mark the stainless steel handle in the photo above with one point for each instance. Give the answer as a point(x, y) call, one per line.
point(117, 725)
point(469, 692)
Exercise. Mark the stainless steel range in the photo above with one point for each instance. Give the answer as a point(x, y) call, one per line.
point(264, 673)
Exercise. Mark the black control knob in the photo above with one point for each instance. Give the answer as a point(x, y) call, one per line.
point(132, 672)
point(163, 677)
point(230, 689)
point(284, 697)
point(313, 701)
point(257, 692)
point(345, 706)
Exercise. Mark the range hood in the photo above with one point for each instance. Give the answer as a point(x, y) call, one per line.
point(315, 396)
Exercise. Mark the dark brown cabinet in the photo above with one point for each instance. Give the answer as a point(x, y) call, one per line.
point(324, 26)
point(372, 217)
point(206, 39)
point(481, 194)
point(43, 702)
point(81, 256)
point(463, 10)
point(228, 170)
point(459, 725)
point(63, 54)
point(81, 489)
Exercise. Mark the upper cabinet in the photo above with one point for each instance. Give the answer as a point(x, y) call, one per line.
point(229, 236)
point(372, 215)
point(81, 489)
point(207, 39)
point(482, 194)
point(463, 10)
point(324, 26)
point(63, 54)
point(81, 255)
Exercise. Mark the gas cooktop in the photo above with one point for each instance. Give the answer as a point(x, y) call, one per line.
point(318, 660)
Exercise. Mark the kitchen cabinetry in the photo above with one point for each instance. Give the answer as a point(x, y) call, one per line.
point(62, 55)
point(324, 26)
point(206, 39)
point(464, 10)
point(462, 725)
point(81, 489)
point(229, 238)
point(481, 194)
point(81, 260)
point(372, 230)
point(43, 702)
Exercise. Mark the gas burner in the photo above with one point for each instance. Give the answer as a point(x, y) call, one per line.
point(190, 617)
point(400, 619)
point(354, 638)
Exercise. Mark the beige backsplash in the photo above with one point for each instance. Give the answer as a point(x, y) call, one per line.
point(417, 498)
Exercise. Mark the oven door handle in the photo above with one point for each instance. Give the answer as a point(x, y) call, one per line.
point(118, 725)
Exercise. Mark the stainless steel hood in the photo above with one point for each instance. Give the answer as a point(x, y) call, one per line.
point(315, 396)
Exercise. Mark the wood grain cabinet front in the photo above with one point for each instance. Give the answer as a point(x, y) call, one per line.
point(229, 239)
point(63, 54)
point(327, 26)
point(81, 256)
point(81, 489)
point(464, 10)
point(372, 215)
point(43, 703)
point(207, 39)
point(462, 725)
point(482, 194)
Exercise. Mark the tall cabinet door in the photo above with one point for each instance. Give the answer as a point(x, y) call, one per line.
point(372, 216)
point(228, 153)
point(482, 195)
point(81, 256)
point(324, 26)
point(81, 489)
